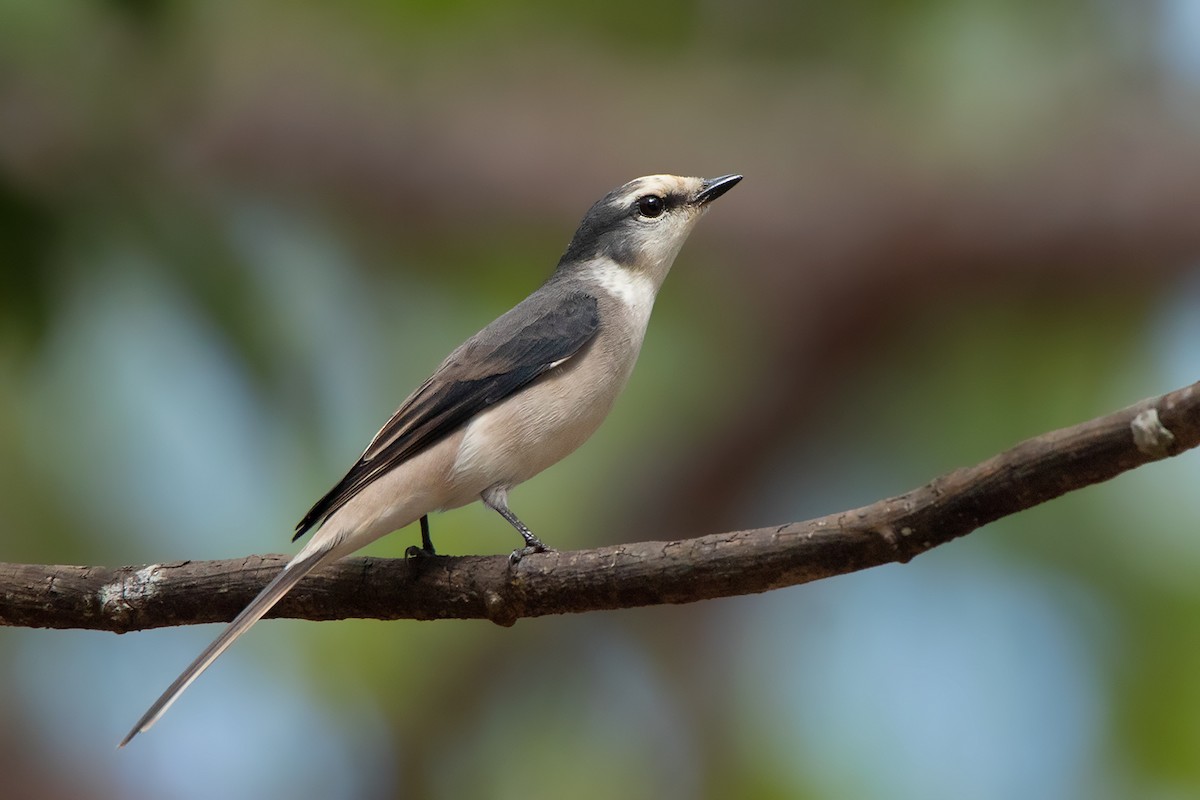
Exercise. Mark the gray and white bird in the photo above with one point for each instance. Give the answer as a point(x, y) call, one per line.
point(513, 399)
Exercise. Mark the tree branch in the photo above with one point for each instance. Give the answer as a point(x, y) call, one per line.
point(646, 573)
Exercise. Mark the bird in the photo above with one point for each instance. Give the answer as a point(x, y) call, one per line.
point(512, 400)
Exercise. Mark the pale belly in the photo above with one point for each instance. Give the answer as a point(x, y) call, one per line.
point(540, 426)
point(501, 447)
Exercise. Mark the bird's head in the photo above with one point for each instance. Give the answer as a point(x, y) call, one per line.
point(641, 226)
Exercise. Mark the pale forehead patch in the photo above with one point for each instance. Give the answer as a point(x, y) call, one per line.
point(656, 184)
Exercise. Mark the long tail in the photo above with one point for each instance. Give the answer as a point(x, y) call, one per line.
point(268, 597)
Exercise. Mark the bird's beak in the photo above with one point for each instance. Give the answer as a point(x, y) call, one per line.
point(712, 188)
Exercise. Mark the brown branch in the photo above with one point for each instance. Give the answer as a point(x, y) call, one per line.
point(646, 573)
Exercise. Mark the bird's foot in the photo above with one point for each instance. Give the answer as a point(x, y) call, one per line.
point(532, 545)
point(426, 549)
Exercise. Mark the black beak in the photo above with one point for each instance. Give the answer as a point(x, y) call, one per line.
point(713, 188)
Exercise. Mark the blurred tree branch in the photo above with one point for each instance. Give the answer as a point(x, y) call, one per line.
point(647, 573)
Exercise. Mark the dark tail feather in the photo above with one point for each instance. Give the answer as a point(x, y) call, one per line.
point(260, 605)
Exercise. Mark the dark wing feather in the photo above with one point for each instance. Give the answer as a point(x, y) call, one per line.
point(540, 333)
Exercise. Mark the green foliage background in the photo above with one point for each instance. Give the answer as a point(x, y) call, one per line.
point(234, 235)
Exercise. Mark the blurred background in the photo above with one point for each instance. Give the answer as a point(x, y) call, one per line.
point(234, 235)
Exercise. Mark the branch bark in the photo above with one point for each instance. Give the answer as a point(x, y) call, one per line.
point(647, 573)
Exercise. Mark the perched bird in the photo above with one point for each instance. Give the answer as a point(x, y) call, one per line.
point(510, 401)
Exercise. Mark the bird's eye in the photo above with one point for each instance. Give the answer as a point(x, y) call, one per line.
point(651, 206)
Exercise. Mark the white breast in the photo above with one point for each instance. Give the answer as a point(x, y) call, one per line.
point(540, 425)
point(634, 290)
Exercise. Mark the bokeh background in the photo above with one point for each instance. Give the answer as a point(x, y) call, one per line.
point(234, 235)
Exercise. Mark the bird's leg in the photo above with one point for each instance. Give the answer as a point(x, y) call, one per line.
point(426, 548)
point(496, 499)
point(426, 542)
point(532, 543)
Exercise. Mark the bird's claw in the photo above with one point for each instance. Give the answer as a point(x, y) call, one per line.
point(529, 549)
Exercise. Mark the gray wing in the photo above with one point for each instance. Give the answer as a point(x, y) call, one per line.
point(542, 332)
